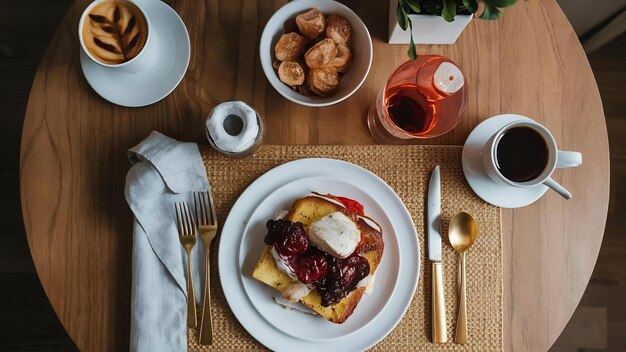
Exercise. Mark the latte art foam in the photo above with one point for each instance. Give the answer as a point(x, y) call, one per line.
point(115, 31)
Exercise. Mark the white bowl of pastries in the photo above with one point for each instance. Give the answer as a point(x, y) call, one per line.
point(315, 52)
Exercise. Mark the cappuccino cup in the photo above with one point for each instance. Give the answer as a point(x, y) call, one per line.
point(524, 154)
point(117, 34)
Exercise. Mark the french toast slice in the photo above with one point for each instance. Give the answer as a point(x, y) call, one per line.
point(307, 210)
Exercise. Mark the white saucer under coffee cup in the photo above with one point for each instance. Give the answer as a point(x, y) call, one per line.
point(144, 59)
point(555, 159)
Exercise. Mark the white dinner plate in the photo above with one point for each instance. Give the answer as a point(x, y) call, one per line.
point(241, 244)
point(160, 78)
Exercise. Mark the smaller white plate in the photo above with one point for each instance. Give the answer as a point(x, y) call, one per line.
point(307, 326)
point(156, 81)
point(500, 195)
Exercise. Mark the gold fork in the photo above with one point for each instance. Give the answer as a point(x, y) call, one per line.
point(207, 225)
point(187, 235)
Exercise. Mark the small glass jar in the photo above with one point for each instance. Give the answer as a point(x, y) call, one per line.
point(230, 131)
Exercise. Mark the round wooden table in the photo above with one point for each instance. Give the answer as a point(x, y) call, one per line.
point(73, 155)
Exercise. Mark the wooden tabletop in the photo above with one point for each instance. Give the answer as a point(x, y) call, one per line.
point(73, 154)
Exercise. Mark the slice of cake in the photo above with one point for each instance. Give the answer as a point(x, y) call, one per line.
point(321, 254)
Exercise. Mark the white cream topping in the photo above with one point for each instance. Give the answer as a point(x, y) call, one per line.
point(281, 214)
point(368, 283)
point(294, 292)
point(335, 234)
point(281, 265)
point(226, 141)
point(295, 306)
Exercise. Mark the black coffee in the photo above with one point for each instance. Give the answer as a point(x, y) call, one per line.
point(521, 154)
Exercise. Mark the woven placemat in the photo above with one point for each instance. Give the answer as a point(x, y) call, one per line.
point(407, 170)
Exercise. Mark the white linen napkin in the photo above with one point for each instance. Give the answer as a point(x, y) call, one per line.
point(164, 171)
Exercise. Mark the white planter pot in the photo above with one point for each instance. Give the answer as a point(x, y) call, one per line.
point(427, 29)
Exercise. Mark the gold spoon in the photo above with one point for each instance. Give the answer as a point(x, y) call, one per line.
point(462, 234)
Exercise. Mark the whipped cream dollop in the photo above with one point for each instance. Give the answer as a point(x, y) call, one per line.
point(281, 214)
point(233, 126)
point(293, 306)
point(280, 264)
point(368, 283)
point(335, 234)
point(294, 292)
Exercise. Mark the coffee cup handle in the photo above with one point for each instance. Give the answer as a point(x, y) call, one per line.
point(558, 188)
point(568, 159)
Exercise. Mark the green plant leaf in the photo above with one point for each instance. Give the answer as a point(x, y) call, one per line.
point(471, 5)
point(500, 3)
point(490, 13)
point(406, 8)
point(414, 5)
point(434, 7)
point(449, 10)
point(402, 17)
point(412, 53)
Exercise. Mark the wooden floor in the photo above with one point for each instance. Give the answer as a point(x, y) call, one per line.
point(599, 323)
point(27, 321)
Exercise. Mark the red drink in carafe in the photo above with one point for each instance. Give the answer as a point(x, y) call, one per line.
point(424, 98)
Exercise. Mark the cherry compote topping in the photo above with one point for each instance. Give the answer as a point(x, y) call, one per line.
point(333, 278)
point(287, 237)
point(342, 277)
point(311, 268)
